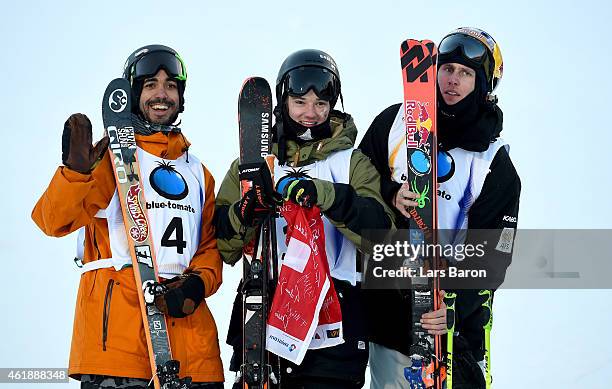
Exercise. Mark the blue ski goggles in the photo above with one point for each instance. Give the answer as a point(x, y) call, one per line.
point(323, 82)
point(150, 63)
point(471, 48)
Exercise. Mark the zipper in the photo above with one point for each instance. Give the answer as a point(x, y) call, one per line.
point(95, 242)
point(106, 312)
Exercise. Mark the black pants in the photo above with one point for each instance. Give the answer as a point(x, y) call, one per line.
point(338, 367)
point(310, 383)
point(92, 381)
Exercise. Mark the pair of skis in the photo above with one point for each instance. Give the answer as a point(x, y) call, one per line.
point(116, 115)
point(259, 258)
point(431, 366)
point(418, 59)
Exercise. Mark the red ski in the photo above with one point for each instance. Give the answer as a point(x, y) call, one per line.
point(418, 59)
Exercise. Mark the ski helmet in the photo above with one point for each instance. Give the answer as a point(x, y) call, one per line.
point(146, 62)
point(477, 49)
point(305, 70)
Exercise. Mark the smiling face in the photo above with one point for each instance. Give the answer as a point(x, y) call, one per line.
point(308, 110)
point(159, 100)
point(455, 81)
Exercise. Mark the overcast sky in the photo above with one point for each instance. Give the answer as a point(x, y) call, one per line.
point(57, 58)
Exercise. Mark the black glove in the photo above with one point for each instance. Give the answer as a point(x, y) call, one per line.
point(261, 199)
point(182, 297)
point(301, 191)
point(77, 151)
point(466, 371)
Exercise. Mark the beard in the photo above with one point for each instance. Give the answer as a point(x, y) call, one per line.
point(166, 117)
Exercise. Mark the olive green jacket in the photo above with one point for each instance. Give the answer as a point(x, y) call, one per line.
point(350, 208)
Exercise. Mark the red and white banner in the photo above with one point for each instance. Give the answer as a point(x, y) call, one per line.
point(305, 311)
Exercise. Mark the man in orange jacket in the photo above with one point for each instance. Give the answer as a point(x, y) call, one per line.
point(108, 344)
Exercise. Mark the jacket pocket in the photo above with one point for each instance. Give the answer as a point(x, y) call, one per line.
point(122, 326)
point(106, 311)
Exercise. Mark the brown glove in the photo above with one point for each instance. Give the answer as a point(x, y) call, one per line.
point(77, 151)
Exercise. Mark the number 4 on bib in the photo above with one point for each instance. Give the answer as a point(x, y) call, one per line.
point(173, 237)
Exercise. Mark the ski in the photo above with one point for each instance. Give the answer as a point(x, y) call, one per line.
point(487, 304)
point(116, 115)
point(449, 300)
point(255, 124)
point(418, 61)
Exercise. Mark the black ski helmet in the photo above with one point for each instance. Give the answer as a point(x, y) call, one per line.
point(309, 69)
point(146, 62)
point(477, 49)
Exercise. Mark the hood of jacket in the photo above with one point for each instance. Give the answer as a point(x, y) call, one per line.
point(344, 134)
point(470, 133)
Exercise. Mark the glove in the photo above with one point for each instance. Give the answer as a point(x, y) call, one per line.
point(466, 372)
point(250, 210)
point(77, 151)
point(183, 295)
point(261, 199)
point(301, 191)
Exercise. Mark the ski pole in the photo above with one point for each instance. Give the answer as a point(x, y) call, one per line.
point(487, 304)
point(449, 300)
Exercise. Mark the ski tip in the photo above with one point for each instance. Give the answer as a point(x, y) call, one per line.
point(254, 89)
point(407, 44)
point(117, 99)
point(253, 86)
point(256, 80)
point(433, 50)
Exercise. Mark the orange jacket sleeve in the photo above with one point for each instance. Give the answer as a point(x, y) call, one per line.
point(207, 260)
point(72, 199)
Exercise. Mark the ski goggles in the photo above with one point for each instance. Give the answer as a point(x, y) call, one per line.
point(472, 48)
point(150, 63)
point(323, 82)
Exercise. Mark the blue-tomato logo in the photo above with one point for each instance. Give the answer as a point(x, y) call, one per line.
point(446, 166)
point(169, 183)
point(420, 163)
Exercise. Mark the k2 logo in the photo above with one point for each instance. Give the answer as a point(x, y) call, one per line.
point(117, 101)
point(423, 62)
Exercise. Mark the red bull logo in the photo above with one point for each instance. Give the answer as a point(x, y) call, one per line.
point(418, 124)
point(419, 127)
point(424, 123)
point(411, 124)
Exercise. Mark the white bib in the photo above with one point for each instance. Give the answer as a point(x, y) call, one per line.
point(461, 175)
point(341, 252)
point(174, 192)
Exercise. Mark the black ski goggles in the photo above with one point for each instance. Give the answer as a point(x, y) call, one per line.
point(472, 48)
point(150, 63)
point(323, 82)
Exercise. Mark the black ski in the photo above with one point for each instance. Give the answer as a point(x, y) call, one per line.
point(255, 124)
